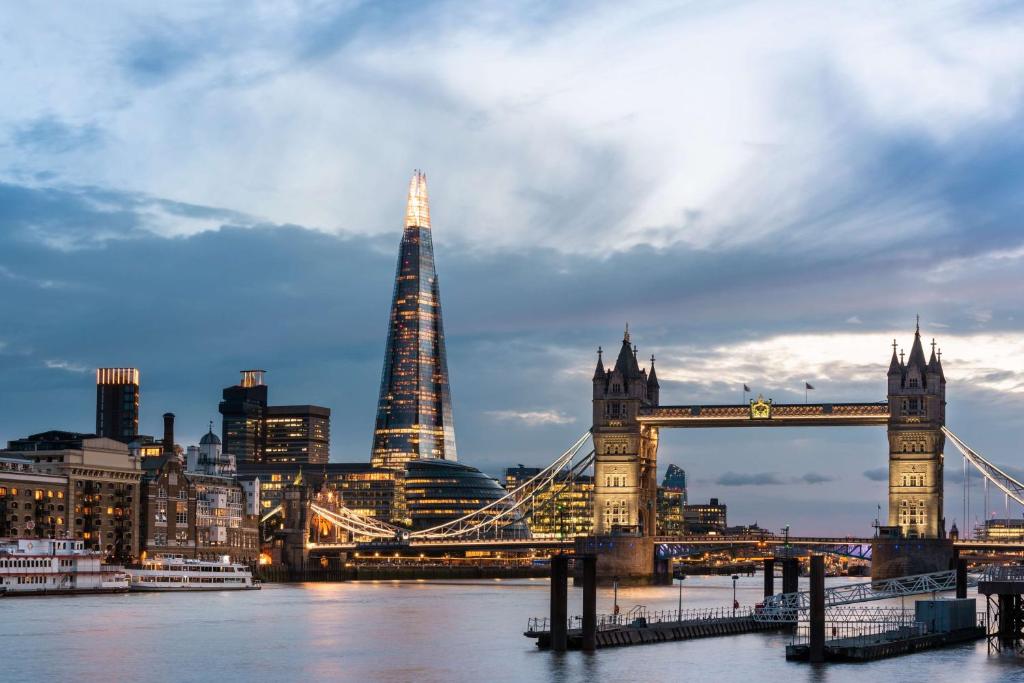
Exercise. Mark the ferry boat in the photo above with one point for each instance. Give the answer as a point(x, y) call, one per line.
point(175, 573)
point(43, 566)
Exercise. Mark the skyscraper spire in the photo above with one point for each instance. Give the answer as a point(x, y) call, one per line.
point(417, 208)
point(414, 410)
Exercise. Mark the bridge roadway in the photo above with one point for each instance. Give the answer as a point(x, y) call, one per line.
point(708, 541)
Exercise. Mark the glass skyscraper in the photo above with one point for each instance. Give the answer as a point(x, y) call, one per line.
point(414, 411)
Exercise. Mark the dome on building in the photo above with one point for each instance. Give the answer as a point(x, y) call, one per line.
point(210, 439)
point(439, 491)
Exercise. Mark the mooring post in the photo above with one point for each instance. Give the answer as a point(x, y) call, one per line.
point(589, 603)
point(769, 577)
point(559, 602)
point(961, 578)
point(817, 611)
point(790, 575)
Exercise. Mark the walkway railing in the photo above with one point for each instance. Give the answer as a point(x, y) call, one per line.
point(870, 625)
point(642, 617)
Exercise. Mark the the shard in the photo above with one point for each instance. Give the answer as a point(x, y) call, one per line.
point(414, 411)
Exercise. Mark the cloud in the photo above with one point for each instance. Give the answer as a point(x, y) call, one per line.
point(877, 474)
point(749, 479)
point(816, 478)
point(836, 132)
point(854, 320)
point(532, 418)
point(65, 365)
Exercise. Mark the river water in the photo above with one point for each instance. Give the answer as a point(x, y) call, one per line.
point(409, 631)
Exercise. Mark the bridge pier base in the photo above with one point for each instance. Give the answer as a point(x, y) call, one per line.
point(817, 611)
point(559, 602)
point(891, 558)
point(790, 575)
point(589, 603)
point(630, 559)
point(769, 577)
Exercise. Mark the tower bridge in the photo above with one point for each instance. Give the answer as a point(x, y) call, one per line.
point(627, 419)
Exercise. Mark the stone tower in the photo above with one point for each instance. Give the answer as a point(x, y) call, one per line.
point(625, 487)
point(917, 413)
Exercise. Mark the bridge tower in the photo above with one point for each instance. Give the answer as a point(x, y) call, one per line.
point(626, 452)
point(917, 413)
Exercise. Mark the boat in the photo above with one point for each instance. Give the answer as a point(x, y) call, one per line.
point(175, 573)
point(44, 566)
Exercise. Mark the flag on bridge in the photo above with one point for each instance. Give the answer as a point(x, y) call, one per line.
point(746, 388)
point(807, 386)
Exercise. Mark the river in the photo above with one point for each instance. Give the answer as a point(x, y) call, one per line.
point(409, 631)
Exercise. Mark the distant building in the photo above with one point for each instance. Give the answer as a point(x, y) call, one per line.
point(60, 484)
point(209, 458)
point(704, 519)
point(196, 515)
point(370, 491)
point(439, 491)
point(297, 434)
point(255, 432)
point(1002, 530)
point(414, 408)
point(671, 501)
point(564, 510)
point(117, 403)
point(243, 409)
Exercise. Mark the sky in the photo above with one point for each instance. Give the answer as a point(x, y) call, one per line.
point(768, 193)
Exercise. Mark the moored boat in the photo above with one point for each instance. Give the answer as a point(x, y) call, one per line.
point(54, 567)
point(174, 573)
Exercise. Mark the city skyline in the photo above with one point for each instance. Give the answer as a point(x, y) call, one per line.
point(785, 245)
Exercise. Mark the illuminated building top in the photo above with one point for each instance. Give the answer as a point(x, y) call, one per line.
point(417, 210)
point(414, 411)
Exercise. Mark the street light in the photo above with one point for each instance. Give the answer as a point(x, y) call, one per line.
point(735, 604)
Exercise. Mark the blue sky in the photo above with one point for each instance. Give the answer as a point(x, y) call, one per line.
point(768, 193)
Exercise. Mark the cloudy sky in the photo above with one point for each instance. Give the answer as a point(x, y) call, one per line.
point(768, 193)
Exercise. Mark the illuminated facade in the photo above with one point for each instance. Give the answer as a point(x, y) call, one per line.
point(297, 434)
point(917, 412)
point(705, 519)
point(563, 510)
point(414, 411)
point(671, 499)
point(438, 491)
point(117, 403)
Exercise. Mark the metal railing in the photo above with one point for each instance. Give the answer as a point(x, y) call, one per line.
point(786, 606)
point(1003, 572)
point(871, 625)
point(640, 617)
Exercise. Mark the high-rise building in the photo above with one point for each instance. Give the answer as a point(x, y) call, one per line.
point(117, 403)
point(244, 407)
point(297, 434)
point(414, 411)
point(671, 501)
point(705, 519)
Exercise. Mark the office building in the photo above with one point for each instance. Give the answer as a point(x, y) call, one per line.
point(297, 434)
point(117, 403)
point(705, 519)
point(563, 509)
point(439, 491)
point(414, 410)
point(370, 491)
point(671, 501)
point(243, 408)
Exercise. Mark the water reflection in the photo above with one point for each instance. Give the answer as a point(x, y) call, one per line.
point(402, 631)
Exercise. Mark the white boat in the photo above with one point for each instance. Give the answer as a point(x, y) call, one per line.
point(43, 566)
point(175, 573)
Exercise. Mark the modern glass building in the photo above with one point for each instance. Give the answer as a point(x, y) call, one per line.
point(414, 411)
point(117, 403)
point(297, 434)
point(564, 509)
point(439, 491)
point(244, 408)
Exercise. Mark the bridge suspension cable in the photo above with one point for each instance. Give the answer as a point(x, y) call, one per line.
point(1007, 484)
point(357, 524)
point(505, 510)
